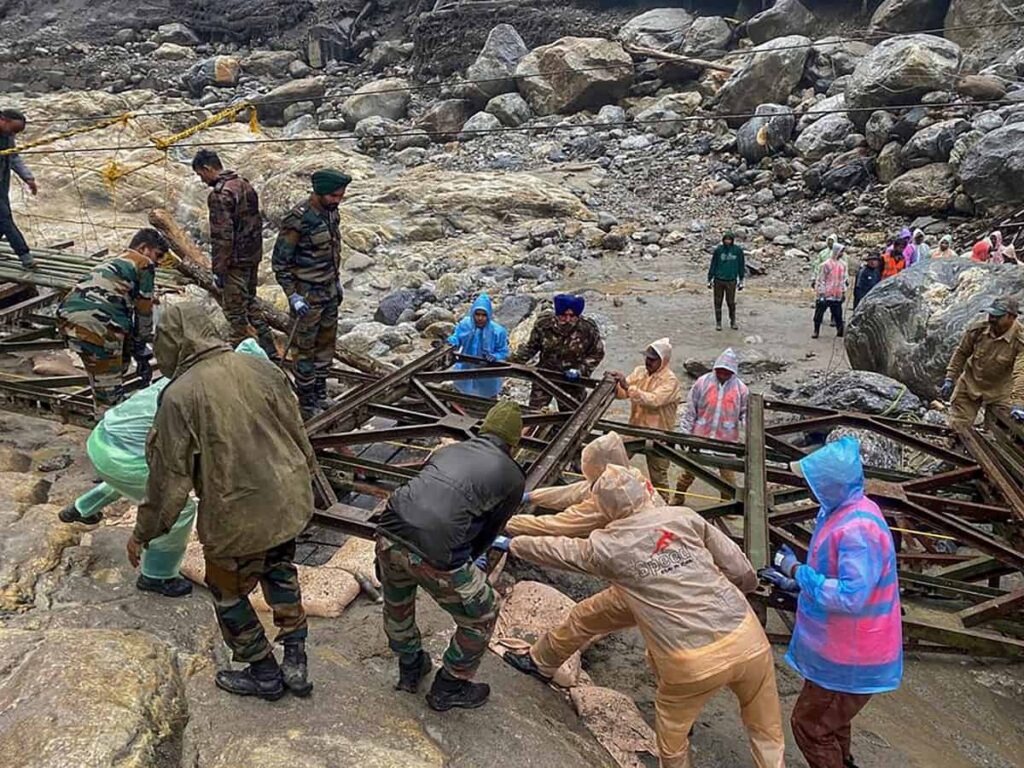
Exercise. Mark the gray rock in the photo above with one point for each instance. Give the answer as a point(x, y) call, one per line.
point(785, 17)
point(216, 72)
point(382, 98)
point(767, 132)
point(706, 34)
point(411, 156)
point(924, 190)
point(481, 121)
point(848, 171)
point(414, 138)
point(987, 121)
point(908, 326)
point(908, 15)
point(175, 33)
point(496, 64)
point(964, 144)
point(510, 108)
point(573, 74)
point(298, 109)
point(392, 306)
point(636, 142)
point(388, 53)
point(825, 136)
point(831, 104)
point(376, 127)
point(444, 119)
point(822, 212)
point(606, 221)
point(298, 126)
point(663, 122)
point(860, 391)
point(299, 69)
point(268, 63)
point(888, 165)
point(752, 362)
point(834, 58)
point(610, 114)
point(662, 29)
point(981, 28)
point(332, 125)
point(879, 129)
point(933, 144)
point(273, 107)
point(993, 171)
point(768, 75)
point(434, 315)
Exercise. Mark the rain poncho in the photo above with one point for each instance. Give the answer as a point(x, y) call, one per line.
point(654, 398)
point(831, 282)
point(939, 253)
point(717, 410)
point(918, 251)
point(825, 253)
point(492, 339)
point(848, 635)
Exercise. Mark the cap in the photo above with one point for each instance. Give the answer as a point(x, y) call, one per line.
point(1004, 305)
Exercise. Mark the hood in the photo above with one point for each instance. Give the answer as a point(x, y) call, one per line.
point(185, 335)
point(918, 232)
point(599, 453)
point(664, 349)
point(998, 237)
point(728, 361)
point(834, 473)
point(946, 239)
point(837, 250)
point(621, 492)
point(483, 301)
point(904, 234)
point(728, 235)
point(831, 239)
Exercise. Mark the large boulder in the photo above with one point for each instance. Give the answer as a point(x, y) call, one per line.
point(983, 28)
point(908, 15)
point(573, 74)
point(444, 119)
point(922, 191)
point(273, 106)
point(835, 57)
point(901, 70)
point(217, 71)
point(825, 136)
point(768, 75)
point(908, 326)
point(510, 108)
point(382, 98)
point(268, 63)
point(934, 143)
point(707, 33)
point(495, 67)
point(479, 124)
point(786, 17)
point(860, 391)
point(662, 29)
point(993, 171)
point(768, 131)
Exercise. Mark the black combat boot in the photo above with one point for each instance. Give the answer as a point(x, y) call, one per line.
point(262, 678)
point(320, 393)
point(448, 692)
point(176, 587)
point(70, 514)
point(267, 345)
point(293, 668)
point(307, 401)
point(524, 663)
point(411, 672)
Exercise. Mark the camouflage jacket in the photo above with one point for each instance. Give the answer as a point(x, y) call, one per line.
point(116, 295)
point(236, 228)
point(307, 253)
point(563, 347)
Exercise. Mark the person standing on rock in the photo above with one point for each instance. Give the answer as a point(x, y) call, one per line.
point(236, 247)
point(306, 264)
point(869, 275)
point(565, 341)
point(987, 368)
point(684, 583)
point(229, 428)
point(725, 276)
point(479, 335)
point(12, 122)
point(429, 536)
point(107, 318)
point(830, 289)
point(654, 396)
point(848, 640)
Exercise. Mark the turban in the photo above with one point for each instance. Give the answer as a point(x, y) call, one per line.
point(329, 180)
point(566, 301)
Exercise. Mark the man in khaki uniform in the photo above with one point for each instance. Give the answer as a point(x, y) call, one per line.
point(988, 367)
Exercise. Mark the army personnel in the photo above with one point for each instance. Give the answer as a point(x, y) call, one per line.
point(566, 342)
point(107, 318)
point(12, 122)
point(236, 247)
point(306, 264)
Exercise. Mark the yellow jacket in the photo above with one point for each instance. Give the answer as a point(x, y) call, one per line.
point(654, 399)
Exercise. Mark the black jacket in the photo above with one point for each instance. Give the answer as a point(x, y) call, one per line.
point(461, 499)
point(867, 278)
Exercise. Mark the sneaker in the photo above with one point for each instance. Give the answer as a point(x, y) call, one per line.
point(70, 514)
point(523, 662)
point(176, 587)
point(261, 679)
point(294, 669)
point(411, 674)
point(448, 692)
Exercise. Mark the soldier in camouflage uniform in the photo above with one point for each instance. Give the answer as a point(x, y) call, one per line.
point(236, 247)
point(107, 318)
point(306, 264)
point(566, 342)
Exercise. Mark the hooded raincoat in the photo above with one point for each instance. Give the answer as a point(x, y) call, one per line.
point(717, 410)
point(832, 276)
point(228, 425)
point(939, 253)
point(654, 398)
point(920, 251)
point(825, 253)
point(848, 635)
point(492, 339)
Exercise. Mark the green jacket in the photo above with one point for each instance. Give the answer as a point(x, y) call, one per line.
point(727, 263)
point(227, 426)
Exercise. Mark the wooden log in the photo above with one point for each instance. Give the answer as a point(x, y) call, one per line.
point(653, 53)
point(193, 263)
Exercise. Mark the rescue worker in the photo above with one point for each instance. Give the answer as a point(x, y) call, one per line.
point(236, 247)
point(12, 122)
point(725, 275)
point(892, 257)
point(848, 640)
point(228, 427)
point(479, 335)
point(306, 264)
point(831, 291)
point(107, 318)
point(684, 582)
point(987, 367)
point(565, 341)
point(717, 408)
point(868, 276)
point(654, 396)
point(432, 530)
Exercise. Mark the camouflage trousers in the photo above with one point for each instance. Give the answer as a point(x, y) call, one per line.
point(105, 358)
point(239, 301)
point(464, 593)
point(314, 348)
point(231, 579)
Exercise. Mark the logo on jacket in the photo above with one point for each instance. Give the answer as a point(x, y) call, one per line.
point(667, 537)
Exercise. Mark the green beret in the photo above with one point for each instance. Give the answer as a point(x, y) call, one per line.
point(329, 180)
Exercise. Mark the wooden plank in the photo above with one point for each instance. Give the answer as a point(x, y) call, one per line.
point(971, 641)
point(996, 608)
point(755, 488)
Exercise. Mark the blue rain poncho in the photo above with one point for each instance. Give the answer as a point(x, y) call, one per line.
point(492, 339)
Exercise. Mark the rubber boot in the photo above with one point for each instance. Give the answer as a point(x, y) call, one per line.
point(320, 392)
point(176, 587)
point(70, 514)
point(262, 679)
point(411, 672)
point(294, 668)
point(307, 401)
point(817, 330)
point(840, 331)
point(449, 692)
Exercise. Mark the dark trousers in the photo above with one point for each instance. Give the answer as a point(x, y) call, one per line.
point(725, 289)
point(835, 306)
point(8, 229)
point(821, 724)
point(239, 302)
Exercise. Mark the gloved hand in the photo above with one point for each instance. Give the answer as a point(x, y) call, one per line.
point(711, 283)
point(299, 305)
point(489, 357)
point(786, 561)
point(739, 286)
point(218, 280)
point(526, 497)
point(776, 578)
point(481, 562)
point(143, 367)
point(1017, 414)
point(502, 543)
point(947, 389)
point(571, 375)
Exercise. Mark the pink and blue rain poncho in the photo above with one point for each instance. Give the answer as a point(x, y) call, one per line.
point(848, 636)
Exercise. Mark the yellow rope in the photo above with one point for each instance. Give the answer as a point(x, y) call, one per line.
point(65, 135)
point(225, 114)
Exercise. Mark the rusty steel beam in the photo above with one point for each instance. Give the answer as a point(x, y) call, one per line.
point(995, 472)
point(996, 608)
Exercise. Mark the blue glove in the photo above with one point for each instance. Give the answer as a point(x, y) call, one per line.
point(571, 375)
point(778, 579)
point(218, 280)
point(1017, 414)
point(299, 305)
point(786, 561)
point(502, 543)
point(947, 389)
point(489, 357)
point(481, 562)
point(526, 497)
